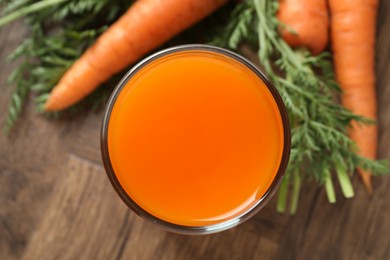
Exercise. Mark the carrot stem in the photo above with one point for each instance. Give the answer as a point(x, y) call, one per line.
point(329, 188)
point(282, 195)
point(345, 181)
point(28, 9)
point(295, 193)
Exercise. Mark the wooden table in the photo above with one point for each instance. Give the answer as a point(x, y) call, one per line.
point(57, 203)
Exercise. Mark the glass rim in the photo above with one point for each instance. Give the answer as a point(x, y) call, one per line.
point(212, 228)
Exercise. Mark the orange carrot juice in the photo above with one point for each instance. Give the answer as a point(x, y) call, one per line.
point(194, 137)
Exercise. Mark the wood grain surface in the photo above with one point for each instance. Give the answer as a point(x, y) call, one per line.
point(57, 203)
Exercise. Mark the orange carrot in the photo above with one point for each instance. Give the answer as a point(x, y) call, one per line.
point(353, 42)
point(146, 25)
point(309, 21)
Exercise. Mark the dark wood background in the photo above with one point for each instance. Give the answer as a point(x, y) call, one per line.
point(57, 203)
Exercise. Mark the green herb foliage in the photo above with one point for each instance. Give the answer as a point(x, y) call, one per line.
point(60, 31)
point(306, 83)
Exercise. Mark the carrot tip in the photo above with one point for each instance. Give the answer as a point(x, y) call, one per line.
point(369, 188)
point(366, 180)
point(49, 105)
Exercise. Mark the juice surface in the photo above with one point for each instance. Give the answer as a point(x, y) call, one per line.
point(195, 138)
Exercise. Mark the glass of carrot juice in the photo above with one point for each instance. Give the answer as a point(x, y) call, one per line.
point(195, 139)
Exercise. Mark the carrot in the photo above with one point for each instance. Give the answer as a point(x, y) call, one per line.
point(146, 25)
point(307, 23)
point(353, 42)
